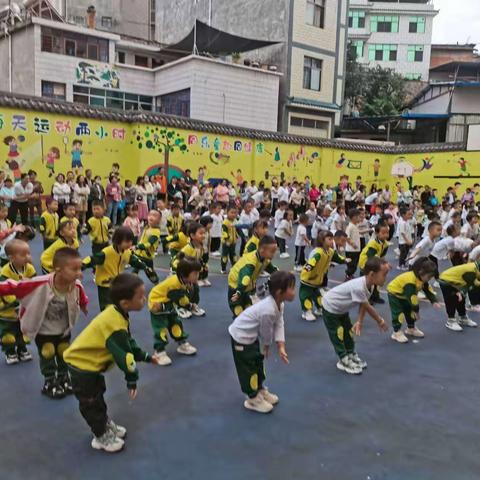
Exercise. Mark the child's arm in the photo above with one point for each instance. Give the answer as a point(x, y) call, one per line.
point(138, 264)
point(244, 280)
point(151, 240)
point(339, 258)
point(430, 294)
point(93, 260)
point(43, 225)
point(367, 308)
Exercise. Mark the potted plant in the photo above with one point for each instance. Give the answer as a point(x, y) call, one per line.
point(235, 57)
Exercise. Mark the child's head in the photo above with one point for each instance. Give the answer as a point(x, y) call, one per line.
point(18, 253)
point(303, 219)
point(288, 215)
point(67, 264)
point(378, 210)
point(267, 247)
point(160, 205)
point(264, 215)
point(127, 292)
point(175, 210)
point(3, 212)
point(281, 286)
point(424, 269)
point(207, 222)
point(188, 269)
point(69, 210)
point(98, 209)
point(77, 144)
point(132, 211)
point(154, 217)
point(196, 232)
point(354, 215)
point(472, 218)
point(232, 213)
point(325, 239)
point(340, 239)
point(122, 238)
point(67, 230)
point(434, 229)
point(376, 271)
point(382, 232)
point(248, 207)
point(282, 205)
point(52, 205)
point(260, 228)
point(406, 213)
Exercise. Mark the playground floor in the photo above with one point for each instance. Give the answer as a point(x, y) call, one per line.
point(411, 415)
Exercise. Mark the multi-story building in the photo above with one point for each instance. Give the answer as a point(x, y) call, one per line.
point(311, 53)
point(393, 34)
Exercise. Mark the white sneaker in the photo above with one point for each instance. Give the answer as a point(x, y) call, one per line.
point(358, 361)
point(162, 358)
point(216, 254)
point(399, 337)
point(271, 398)
point(397, 252)
point(206, 283)
point(436, 284)
point(118, 430)
point(108, 442)
point(11, 359)
point(346, 365)
point(452, 324)
point(467, 322)
point(318, 312)
point(323, 291)
point(309, 316)
point(186, 349)
point(285, 255)
point(197, 311)
point(223, 272)
point(184, 313)
point(421, 295)
point(414, 332)
point(474, 308)
point(201, 283)
point(258, 404)
point(297, 268)
point(264, 275)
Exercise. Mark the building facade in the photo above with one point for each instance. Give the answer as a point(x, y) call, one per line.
point(447, 53)
point(393, 34)
point(310, 54)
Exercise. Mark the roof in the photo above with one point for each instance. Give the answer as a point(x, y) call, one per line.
point(453, 46)
point(26, 102)
point(446, 67)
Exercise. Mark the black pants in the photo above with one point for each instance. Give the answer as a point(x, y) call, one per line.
point(300, 255)
point(215, 244)
point(435, 261)
point(452, 303)
point(16, 207)
point(352, 266)
point(404, 249)
point(281, 244)
point(89, 388)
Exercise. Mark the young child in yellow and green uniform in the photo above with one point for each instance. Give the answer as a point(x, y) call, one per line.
point(260, 229)
point(229, 239)
point(377, 246)
point(49, 223)
point(177, 241)
point(175, 220)
point(313, 273)
point(105, 341)
point(242, 279)
point(66, 238)
point(71, 214)
point(98, 227)
point(163, 302)
point(207, 222)
point(147, 246)
point(14, 345)
point(455, 282)
point(403, 298)
point(112, 261)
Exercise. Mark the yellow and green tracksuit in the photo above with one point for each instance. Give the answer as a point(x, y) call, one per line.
point(99, 232)
point(242, 279)
point(11, 336)
point(170, 293)
point(147, 246)
point(252, 244)
point(46, 259)
point(312, 275)
point(174, 224)
point(229, 243)
point(176, 242)
point(403, 299)
point(76, 222)
point(374, 248)
point(49, 228)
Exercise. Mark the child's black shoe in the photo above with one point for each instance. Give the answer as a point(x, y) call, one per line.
point(52, 389)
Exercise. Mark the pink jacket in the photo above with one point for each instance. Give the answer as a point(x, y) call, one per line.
point(35, 294)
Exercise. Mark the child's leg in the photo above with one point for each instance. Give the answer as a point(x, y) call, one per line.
point(233, 255)
point(159, 323)
point(46, 353)
point(175, 327)
point(103, 297)
point(400, 312)
point(224, 259)
point(249, 365)
point(310, 297)
point(194, 294)
point(240, 305)
point(8, 336)
point(451, 300)
point(348, 340)
point(297, 255)
point(302, 256)
point(215, 244)
point(163, 240)
point(61, 345)
point(403, 254)
point(336, 332)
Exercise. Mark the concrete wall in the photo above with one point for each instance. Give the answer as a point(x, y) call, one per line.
point(22, 65)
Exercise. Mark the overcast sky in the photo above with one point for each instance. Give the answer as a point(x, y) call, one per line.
point(458, 21)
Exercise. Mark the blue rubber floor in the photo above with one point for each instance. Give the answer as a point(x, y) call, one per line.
point(412, 415)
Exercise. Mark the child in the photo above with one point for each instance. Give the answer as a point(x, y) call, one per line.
point(112, 261)
point(455, 282)
point(19, 267)
point(284, 232)
point(252, 334)
point(375, 218)
point(178, 241)
point(405, 236)
point(148, 244)
point(107, 340)
point(352, 247)
point(50, 306)
point(70, 211)
point(163, 301)
point(66, 238)
point(242, 279)
point(163, 224)
point(99, 227)
point(207, 222)
point(336, 305)
point(301, 241)
point(403, 298)
point(312, 216)
point(424, 247)
point(260, 229)
point(175, 220)
point(280, 213)
point(470, 228)
point(444, 247)
point(133, 222)
point(229, 240)
point(216, 213)
point(49, 223)
point(312, 275)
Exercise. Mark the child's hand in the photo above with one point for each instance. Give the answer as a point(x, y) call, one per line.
point(383, 326)
point(155, 361)
point(19, 228)
point(348, 260)
point(357, 328)
point(132, 393)
point(156, 307)
point(283, 354)
point(437, 305)
point(235, 297)
point(459, 296)
point(85, 311)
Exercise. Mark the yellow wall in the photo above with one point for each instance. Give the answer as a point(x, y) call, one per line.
point(140, 149)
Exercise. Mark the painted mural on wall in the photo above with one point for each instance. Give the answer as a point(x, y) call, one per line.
point(95, 75)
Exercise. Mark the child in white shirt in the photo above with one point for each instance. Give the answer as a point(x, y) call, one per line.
point(352, 247)
point(284, 232)
point(405, 236)
point(301, 241)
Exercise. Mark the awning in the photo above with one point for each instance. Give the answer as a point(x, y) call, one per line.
point(213, 41)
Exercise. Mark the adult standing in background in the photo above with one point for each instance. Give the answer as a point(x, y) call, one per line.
point(35, 201)
point(61, 193)
point(22, 192)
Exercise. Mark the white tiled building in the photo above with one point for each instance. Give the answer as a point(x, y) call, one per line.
point(393, 34)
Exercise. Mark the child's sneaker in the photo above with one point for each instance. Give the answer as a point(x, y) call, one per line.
point(258, 404)
point(474, 308)
point(467, 322)
point(223, 272)
point(197, 311)
point(436, 284)
point(297, 268)
point(206, 283)
point(271, 398)
point(24, 355)
point(284, 255)
point(201, 283)
point(264, 275)
point(118, 430)
point(66, 384)
point(323, 291)
point(421, 295)
point(414, 332)
point(318, 312)
point(309, 316)
point(11, 359)
point(358, 361)
point(53, 390)
point(186, 349)
point(108, 442)
point(452, 324)
point(346, 365)
point(216, 254)
point(162, 358)
point(399, 337)
point(184, 313)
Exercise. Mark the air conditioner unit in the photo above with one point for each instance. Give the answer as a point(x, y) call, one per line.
point(411, 124)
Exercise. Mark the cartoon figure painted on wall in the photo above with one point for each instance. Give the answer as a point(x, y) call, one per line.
point(376, 167)
point(76, 152)
point(426, 164)
point(238, 177)
point(52, 156)
point(341, 160)
point(202, 172)
point(314, 156)
point(463, 165)
point(276, 155)
point(13, 160)
point(219, 158)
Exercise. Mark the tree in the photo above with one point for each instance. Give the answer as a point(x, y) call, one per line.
point(355, 80)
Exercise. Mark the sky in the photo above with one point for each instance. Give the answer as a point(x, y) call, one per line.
point(458, 21)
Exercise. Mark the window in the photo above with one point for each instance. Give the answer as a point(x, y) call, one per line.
point(415, 53)
point(141, 61)
point(382, 23)
point(70, 48)
point(413, 76)
point(356, 19)
point(175, 103)
point(100, 97)
point(79, 19)
point(315, 13)
point(157, 63)
point(308, 123)
point(121, 57)
point(357, 47)
point(107, 22)
point(382, 53)
point(92, 52)
point(53, 90)
point(312, 73)
point(417, 25)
